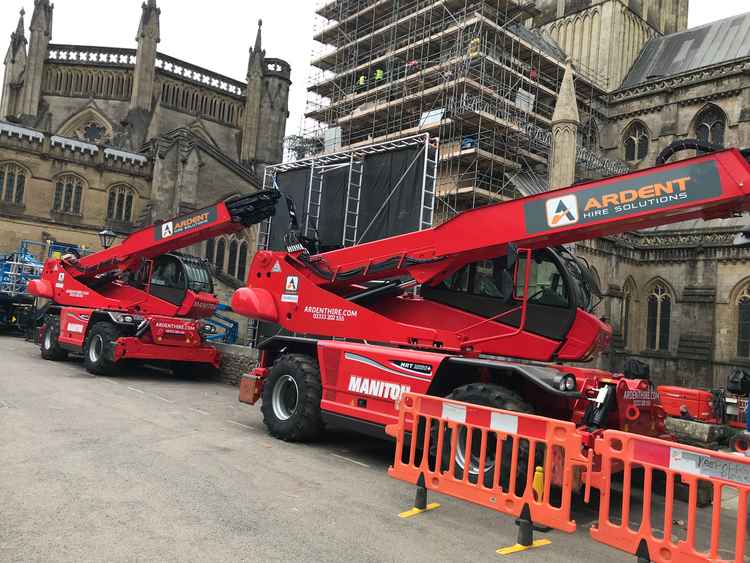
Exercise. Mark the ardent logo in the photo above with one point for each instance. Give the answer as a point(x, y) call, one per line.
point(167, 229)
point(562, 211)
point(184, 224)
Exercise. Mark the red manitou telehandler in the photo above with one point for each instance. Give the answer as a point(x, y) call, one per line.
point(141, 300)
point(487, 308)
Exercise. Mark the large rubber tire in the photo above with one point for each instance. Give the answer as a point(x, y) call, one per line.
point(50, 346)
point(291, 399)
point(498, 397)
point(99, 341)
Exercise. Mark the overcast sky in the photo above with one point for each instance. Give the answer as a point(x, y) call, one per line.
point(217, 34)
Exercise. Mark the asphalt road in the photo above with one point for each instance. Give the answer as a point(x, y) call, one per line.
point(149, 467)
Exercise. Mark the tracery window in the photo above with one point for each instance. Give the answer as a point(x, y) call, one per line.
point(12, 183)
point(636, 140)
point(232, 262)
point(743, 324)
point(68, 194)
point(659, 317)
point(221, 247)
point(120, 203)
point(233, 250)
point(628, 295)
point(590, 136)
point(242, 261)
point(710, 125)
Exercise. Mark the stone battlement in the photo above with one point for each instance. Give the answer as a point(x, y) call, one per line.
point(108, 57)
point(55, 146)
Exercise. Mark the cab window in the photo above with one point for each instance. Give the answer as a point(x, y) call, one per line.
point(547, 285)
point(168, 273)
point(488, 278)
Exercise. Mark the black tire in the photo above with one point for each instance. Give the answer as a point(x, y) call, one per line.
point(97, 348)
point(498, 397)
point(194, 370)
point(49, 346)
point(293, 376)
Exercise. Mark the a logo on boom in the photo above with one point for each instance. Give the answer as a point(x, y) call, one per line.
point(167, 229)
point(562, 211)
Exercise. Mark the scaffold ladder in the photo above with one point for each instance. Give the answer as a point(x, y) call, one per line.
point(263, 243)
point(353, 193)
point(264, 229)
point(315, 194)
point(429, 181)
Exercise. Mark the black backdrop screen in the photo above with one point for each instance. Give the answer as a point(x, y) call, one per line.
point(381, 173)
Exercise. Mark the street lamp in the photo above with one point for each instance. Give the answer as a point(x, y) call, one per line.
point(107, 238)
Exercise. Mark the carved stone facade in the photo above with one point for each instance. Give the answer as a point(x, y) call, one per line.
point(604, 37)
point(678, 297)
point(695, 341)
point(100, 136)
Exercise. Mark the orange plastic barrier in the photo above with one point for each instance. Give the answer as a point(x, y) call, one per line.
point(655, 537)
point(498, 459)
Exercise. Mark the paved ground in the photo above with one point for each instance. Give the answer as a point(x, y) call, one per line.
point(151, 467)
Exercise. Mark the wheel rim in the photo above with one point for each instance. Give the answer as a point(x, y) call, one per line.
point(473, 469)
point(95, 348)
point(48, 340)
point(285, 397)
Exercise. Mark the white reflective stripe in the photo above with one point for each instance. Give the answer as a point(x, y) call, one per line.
point(455, 413)
point(707, 466)
point(504, 423)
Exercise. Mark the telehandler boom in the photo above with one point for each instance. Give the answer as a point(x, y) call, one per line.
point(139, 299)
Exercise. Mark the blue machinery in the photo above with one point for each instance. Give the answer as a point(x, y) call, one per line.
point(227, 330)
point(16, 270)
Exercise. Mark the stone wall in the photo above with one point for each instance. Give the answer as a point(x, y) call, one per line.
point(669, 109)
point(236, 361)
point(706, 277)
point(34, 217)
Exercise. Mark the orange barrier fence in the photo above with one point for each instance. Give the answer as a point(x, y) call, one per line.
point(530, 466)
point(669, 536)
point(502, 460)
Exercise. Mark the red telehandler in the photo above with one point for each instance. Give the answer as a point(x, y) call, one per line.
point(141, 300)
point(488, 308)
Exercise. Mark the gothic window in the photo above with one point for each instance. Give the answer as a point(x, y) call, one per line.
point(12, 183)
point(628, 296)
point(210, 248)
point(710, 125)
point(120, 203)
point(743, 325)
point(68, 194)
point(590, 136)
point(232, 265)
point(242, 261)
point(221, 248)
point(636, 141)
point(659, 316)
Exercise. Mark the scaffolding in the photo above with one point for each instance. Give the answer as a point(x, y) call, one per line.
point(467, 71)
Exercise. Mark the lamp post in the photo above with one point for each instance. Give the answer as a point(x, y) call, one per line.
point(107, 238)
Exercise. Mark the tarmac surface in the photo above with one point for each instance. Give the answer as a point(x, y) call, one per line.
point(151, 467)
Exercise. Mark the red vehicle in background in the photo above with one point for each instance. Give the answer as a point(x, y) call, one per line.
point(141, 300)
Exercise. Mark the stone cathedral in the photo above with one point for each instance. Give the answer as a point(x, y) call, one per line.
point(95, 137)
point(678, 296)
